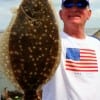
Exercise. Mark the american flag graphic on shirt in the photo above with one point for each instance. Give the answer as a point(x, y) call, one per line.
point(81, 60)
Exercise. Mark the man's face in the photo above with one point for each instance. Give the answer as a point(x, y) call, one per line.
point(75, 15)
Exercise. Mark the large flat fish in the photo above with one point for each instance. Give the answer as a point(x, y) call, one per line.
point(33, 46)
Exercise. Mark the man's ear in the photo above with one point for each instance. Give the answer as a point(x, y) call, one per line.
point(60, 14)
point(89, 14)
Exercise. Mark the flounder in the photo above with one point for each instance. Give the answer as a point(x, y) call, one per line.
point(32, 46)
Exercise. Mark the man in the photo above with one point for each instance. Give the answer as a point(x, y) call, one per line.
point(4, 94)
point(78, 74)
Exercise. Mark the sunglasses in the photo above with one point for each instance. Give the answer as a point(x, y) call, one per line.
point(80, 4)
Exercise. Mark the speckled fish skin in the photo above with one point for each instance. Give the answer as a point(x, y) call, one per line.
point(34, 46)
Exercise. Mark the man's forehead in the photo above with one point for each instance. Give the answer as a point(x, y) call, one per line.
point(84, 2)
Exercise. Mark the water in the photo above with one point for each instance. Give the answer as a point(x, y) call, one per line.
point(5, 83)
point(89, 31)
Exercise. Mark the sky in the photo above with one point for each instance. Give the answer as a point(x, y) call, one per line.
point(6, 14)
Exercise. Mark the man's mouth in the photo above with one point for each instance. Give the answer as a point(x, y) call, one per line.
point(72, 16)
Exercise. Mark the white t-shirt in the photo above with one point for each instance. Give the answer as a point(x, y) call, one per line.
point(78, 75)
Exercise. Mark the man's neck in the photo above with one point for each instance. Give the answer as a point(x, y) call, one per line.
point(76, 32)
